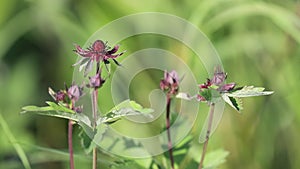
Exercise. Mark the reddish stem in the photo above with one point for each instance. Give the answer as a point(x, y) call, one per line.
point(95, 110)
point(211, 114)
point(169, 132)
point(70, 142)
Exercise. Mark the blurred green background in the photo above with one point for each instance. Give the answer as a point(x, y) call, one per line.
point(258, 43)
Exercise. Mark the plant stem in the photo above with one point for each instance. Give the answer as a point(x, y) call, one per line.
point(168, 131)
point(70, 142)
point(95, 110)
point(211, 114)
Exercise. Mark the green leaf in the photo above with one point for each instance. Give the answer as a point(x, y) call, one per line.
point(126, 165)
point(132, 104)
point(51, 110)
point(206, 93)
point(101, 129)
point(86, 141)
point(59, 111)
point(215, 158)
point(235, 103)
point(249, 91)
point(233, 98)
point(59, 107)
point(126, 108)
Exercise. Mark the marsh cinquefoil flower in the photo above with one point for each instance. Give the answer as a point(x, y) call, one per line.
point(98, 52)
point(68, 97)
point(170, 83)
point(216, 83)
point(96, 81)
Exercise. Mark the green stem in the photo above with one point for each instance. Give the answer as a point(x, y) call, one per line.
point(211, 114)
point(169, 132)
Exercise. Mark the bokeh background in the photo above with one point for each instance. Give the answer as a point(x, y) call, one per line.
point(257, 40)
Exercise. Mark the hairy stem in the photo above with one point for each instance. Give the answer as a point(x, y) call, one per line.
point(169, 132)
point(70, 143)
point(95, 110)
point(211, 114)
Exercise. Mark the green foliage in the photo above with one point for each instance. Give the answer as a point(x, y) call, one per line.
point(215, 158)
point(258, 42)
point(233, 98)
point(13, 141)
point(56, 110)
point(125, 108)
point(89, 137)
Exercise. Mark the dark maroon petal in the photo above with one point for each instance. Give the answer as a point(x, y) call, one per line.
point(113, 50)
point(98, 46)
point(60, 96)
point(227, 87)
point(108, 56)
point(116, 62)
point(205, 85)
point(81, 52)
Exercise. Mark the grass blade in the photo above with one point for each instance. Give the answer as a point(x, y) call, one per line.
point(13, 141)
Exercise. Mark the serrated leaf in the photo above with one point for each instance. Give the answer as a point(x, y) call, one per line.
point(235, 103)
point(132, 104)
point(59, 111)
point(115, 115)
point(215, 158)
point(49, 111)
point(59, 107)
point(249, 91)
point(125, 108)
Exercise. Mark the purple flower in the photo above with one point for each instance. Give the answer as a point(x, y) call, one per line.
point(60, 96)
point(74, 92)
point(68, 97)
point(96, 81)
point(226, 87)
point(215, 83)
point(219, 77)
point(98, 52)
point(170, 83)
point(218, 82)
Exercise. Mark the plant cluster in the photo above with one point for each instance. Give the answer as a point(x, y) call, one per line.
point(98, 56)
